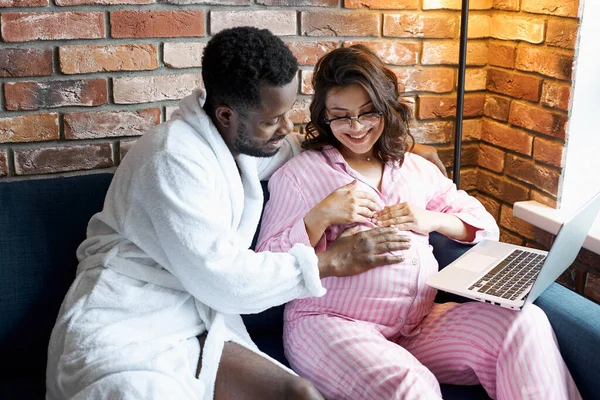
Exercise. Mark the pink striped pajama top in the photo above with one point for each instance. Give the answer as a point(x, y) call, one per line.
point(393, 296)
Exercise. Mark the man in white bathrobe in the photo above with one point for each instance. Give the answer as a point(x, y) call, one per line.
point(167, 259)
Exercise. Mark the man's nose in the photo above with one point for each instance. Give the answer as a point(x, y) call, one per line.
point(287, 125)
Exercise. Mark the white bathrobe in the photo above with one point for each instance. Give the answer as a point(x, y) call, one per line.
point(166, 260)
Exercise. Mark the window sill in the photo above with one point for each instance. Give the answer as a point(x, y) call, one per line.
point(550, 220)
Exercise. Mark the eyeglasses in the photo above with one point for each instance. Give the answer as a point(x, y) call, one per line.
point(368, 120)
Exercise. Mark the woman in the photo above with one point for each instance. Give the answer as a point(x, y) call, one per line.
point(379, 335)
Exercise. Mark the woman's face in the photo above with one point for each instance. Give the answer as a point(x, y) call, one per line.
point(353, 101)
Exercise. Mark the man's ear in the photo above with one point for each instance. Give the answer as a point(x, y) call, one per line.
point(225, 115)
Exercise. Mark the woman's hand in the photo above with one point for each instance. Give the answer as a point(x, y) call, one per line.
point(345, 205)
point(407, 217)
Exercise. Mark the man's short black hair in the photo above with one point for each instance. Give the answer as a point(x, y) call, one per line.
point(237, 61)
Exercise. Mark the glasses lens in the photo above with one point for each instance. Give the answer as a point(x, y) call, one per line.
point(369, 119)
point(340, 124)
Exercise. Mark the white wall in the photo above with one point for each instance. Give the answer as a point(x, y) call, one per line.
point(582, 168)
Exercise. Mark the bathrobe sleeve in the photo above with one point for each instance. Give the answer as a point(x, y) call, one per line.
point(178, 219)
point(445, 198)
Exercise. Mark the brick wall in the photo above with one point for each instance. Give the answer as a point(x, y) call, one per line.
point(83, 78)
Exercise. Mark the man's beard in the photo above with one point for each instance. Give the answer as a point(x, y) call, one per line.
point(246, 144)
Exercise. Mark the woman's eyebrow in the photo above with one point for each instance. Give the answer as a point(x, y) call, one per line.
point(345, 109)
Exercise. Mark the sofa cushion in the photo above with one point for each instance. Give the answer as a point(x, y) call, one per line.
point(43, 220)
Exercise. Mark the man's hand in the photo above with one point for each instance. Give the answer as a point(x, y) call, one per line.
point(430, 154)
point(353, 253)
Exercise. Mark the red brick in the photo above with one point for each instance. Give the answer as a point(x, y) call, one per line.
point(547, 62)
point(516, 225)
point(432, 132)
point(49, 94)
point(556, 95)
point(507, 137)
point(3, 163)
point(436, 80)
point(446, 52)
point(548, 151)
point(538, 119)
point(468, 158)
point(528, 171)
point(144, 89)
point(491, 158)
point(475, 79)
point(48, 160)
point(496, 107)
point(101, 2)
point(543, 198)
point(209, 2)
point(124, 147)
point(126, 57)
point(420, 25)
point(380, 4)
point(471, 130)
point(25, 62)
point(393, 52)
point(491, 205)
point(562, 32)
point(299, 3)
point(23, 3)
point(507, 5)
point(502, 54)
point(102, 124)
point(500, 187)
point(306, 82)
point(29, 128)
point(331, 23)
point(279, 22)
point(518, 27)
point(23, 27)
point(564, 8)
point(300, 112)
point(507, 237)
point(480, 26)
point(592, 287)
point(183, 54)
point(308, 53)
point(569, 278)
point(514, 85)
point(468, 179)
point(432, 107)
point(156, 23)
point(456, 4)
point(589, 259)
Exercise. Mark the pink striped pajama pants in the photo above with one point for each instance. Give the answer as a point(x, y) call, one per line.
point(514, 355)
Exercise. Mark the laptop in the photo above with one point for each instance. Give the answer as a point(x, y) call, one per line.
point(512, 276)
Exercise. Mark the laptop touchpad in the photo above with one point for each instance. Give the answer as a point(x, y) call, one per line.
point(476, 262)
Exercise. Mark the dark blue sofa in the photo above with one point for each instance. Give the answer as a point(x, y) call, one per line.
point(43, 221)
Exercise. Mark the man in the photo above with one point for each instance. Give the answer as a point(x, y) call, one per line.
point(167, 259)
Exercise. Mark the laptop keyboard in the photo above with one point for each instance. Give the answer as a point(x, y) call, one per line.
point(512, 276)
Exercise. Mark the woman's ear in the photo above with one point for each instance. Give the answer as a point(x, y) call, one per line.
point(225, 115)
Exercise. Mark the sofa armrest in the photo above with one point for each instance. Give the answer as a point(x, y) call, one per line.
point(575, 320)
point(576, 323)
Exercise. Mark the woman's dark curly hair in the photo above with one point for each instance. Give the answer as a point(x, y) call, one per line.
point(237, 61)
point(357, 64)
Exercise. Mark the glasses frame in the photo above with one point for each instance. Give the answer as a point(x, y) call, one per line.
point(357, 118)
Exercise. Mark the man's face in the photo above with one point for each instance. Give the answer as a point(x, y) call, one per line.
point(259, 133)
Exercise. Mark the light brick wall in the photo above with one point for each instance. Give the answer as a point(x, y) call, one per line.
point(82, 78)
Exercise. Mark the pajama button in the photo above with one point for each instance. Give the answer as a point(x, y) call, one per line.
point(411, 293)
point(414, 261)
point(400, 320)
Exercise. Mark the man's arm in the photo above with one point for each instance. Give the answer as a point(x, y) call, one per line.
point(430, 154)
